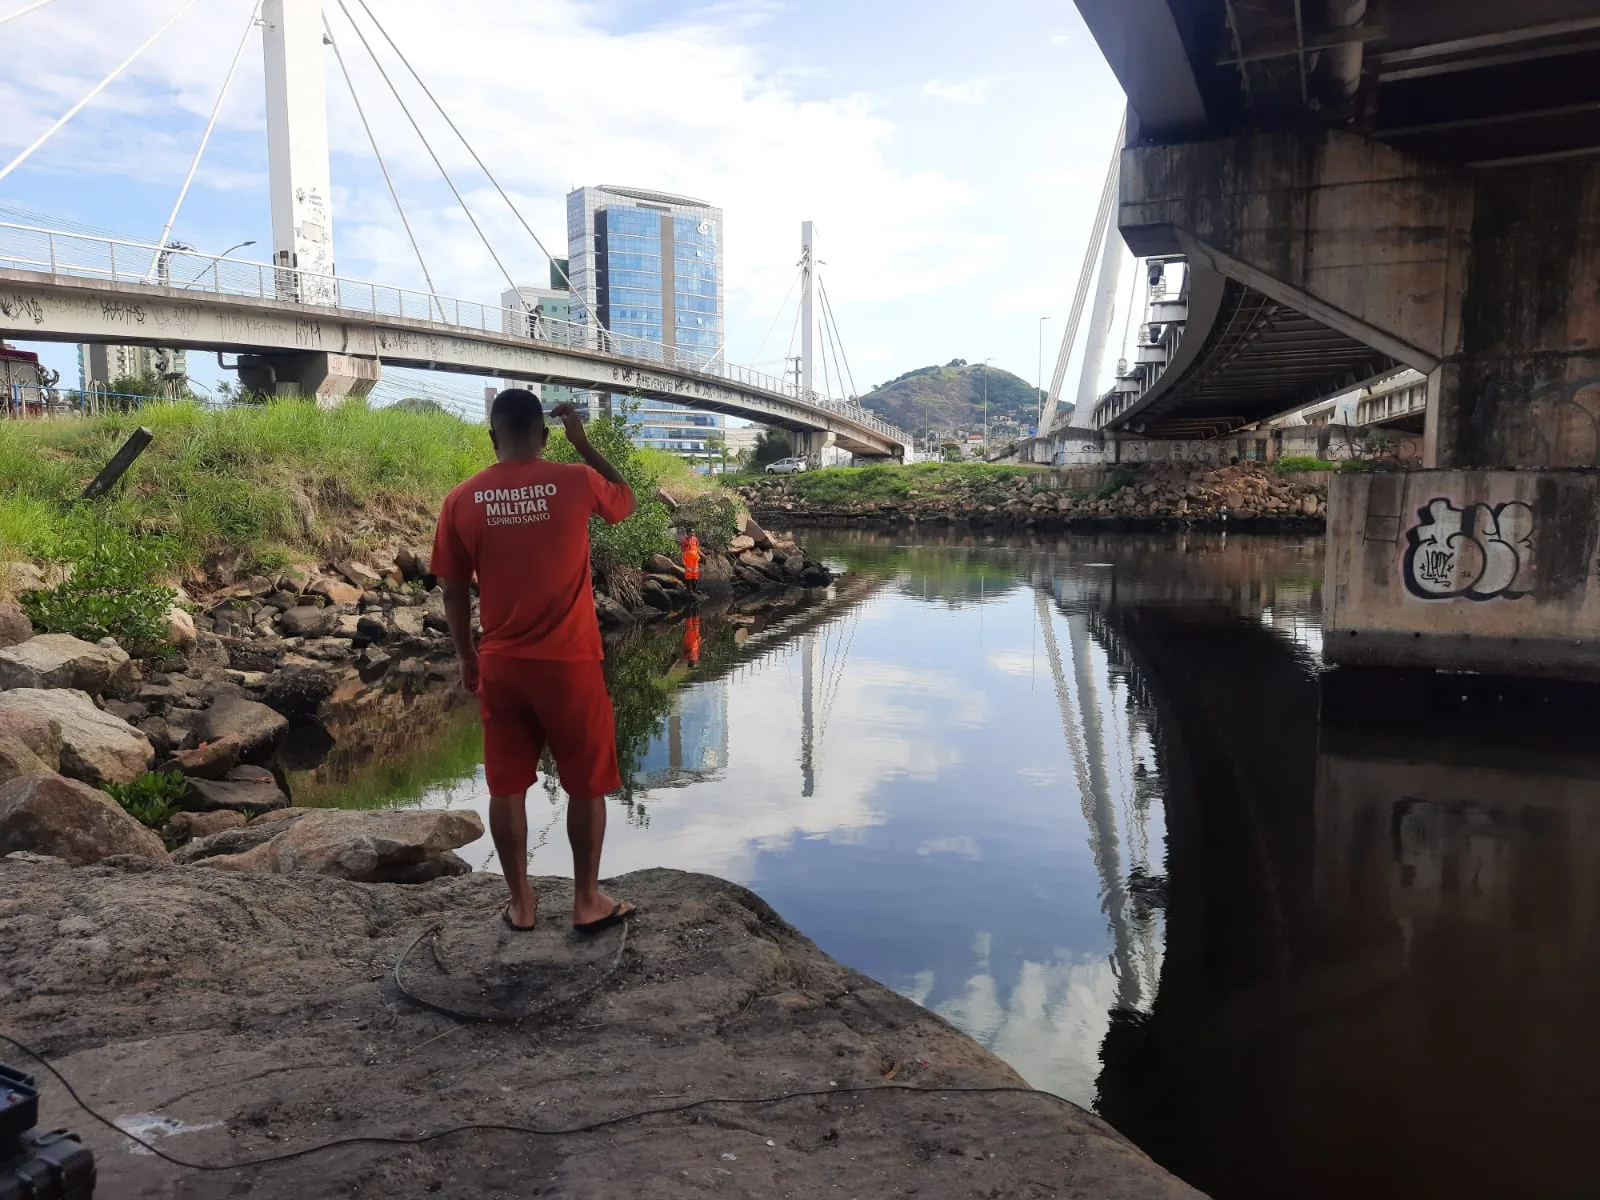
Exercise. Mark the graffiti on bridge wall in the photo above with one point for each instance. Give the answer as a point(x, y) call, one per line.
point(1479, 552)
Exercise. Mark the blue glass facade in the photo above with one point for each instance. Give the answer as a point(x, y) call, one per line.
point(650, 267)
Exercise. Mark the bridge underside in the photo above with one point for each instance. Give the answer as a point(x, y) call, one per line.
point(301, 344)
point(1257, 358)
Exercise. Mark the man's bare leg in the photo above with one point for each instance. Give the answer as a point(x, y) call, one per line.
point(508, 825)
point(586, 830)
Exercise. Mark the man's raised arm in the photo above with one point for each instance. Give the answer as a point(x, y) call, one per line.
point(579, 437)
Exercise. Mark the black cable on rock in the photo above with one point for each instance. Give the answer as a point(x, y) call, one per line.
point(376, 1139)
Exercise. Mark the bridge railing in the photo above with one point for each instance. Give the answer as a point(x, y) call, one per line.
point(29, 248)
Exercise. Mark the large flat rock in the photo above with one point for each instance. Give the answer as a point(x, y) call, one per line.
point(259, 1011)
point(96, 747)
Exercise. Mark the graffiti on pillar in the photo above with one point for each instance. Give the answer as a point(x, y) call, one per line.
point(1479, 552)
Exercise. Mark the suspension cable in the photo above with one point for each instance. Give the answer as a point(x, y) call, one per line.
point(428, 92)
point(205, 139)
point(831, 341)
point(827, 384)
point(778, 316)
point(427, 145)
point(23, 11)
point(382, 166)
point(94, 91)
point(827, 309)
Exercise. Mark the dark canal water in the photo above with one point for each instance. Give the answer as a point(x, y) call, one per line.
point(1093, 800)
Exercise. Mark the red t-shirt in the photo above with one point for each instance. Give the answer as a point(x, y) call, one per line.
point(523, 529)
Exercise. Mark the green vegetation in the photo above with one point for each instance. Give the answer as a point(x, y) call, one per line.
point(1294, 463)
point(771, 445)
point(624, 546)
point(152, 799)
point(269, 482)
point(951, 397)
point(107, 591)
point(845, 485)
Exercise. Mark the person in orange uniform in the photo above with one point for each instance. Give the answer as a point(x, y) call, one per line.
point(691, 557)
point(521, 527)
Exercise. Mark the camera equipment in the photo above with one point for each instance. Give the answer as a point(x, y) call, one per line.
point(35, 1165)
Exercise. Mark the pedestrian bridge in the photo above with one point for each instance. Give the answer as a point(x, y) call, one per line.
point(71, 288)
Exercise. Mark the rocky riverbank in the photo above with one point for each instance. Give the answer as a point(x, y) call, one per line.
point(198, 740)
point(1245, 495)
point(233, 1016)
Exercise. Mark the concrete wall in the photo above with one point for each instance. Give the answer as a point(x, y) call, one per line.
point(1490, 571)
point(1488, 281)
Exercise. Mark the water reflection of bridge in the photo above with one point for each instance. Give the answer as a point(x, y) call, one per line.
point(692, 744)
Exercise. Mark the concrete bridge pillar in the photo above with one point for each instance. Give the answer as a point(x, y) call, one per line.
point(810, 443)
point(330, 378)
point(1487, 281)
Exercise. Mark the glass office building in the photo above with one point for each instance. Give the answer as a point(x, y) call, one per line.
point(647, 266)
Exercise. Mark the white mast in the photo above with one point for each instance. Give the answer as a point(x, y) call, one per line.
point(297, 148)
point(807, 322)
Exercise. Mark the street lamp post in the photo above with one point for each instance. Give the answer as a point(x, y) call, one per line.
point(1039, 378)
point(216, 260)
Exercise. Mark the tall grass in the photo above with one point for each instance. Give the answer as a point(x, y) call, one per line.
point(842, 485)
point(268, 481)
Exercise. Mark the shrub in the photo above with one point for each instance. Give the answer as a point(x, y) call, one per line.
point(1302, 462)
point(152, 799)
point(108, 591)
point(715, 518)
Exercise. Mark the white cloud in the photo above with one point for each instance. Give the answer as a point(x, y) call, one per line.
point(961, 847)
point(970, 91)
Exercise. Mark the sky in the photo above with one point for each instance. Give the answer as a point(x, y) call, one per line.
point(951, 155)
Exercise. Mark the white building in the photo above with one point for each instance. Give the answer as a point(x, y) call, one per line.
point(99, 366)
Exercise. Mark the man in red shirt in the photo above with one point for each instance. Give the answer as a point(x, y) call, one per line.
point(522, 527)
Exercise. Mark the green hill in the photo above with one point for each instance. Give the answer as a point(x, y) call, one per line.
point(953, 396)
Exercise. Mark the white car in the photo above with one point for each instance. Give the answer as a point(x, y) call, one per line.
point(786, 466)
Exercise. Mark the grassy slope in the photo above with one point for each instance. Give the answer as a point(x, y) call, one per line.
point(842, 485)
point(271, 481)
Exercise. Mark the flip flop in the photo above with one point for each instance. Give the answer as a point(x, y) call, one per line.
point(615, 917)
point(505, 915)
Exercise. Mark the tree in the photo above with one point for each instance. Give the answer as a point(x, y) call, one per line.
point(771, 445)
point(717, 445)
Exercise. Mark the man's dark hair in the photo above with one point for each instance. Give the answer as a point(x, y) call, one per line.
point(517, 413)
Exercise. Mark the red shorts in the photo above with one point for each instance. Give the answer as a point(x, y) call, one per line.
point(531, 703)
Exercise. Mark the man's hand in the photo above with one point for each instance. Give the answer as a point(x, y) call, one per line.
point(579, 437)
point(469, 673)
point(567, 414)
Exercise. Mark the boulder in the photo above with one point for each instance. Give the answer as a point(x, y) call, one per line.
point(369, 847)
point(239, 839)
point(756, 534)
point(158, 732)
point(664, 497)
point(190, 825)
point(304, 620)
point(362, 577)
point(180, 627)
point(409, 620)
point(96, 747)
point(336, 591)
point(243, 789)
point(59, 660)
point(371, 629)
point(298, 691)
point(47, 814)
point(19, 577)
point(347, 626)
point(257, 727)
point(29, 743)
point(413, 562)
point(212, 760)
point(15, 628)
point(741, 543)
